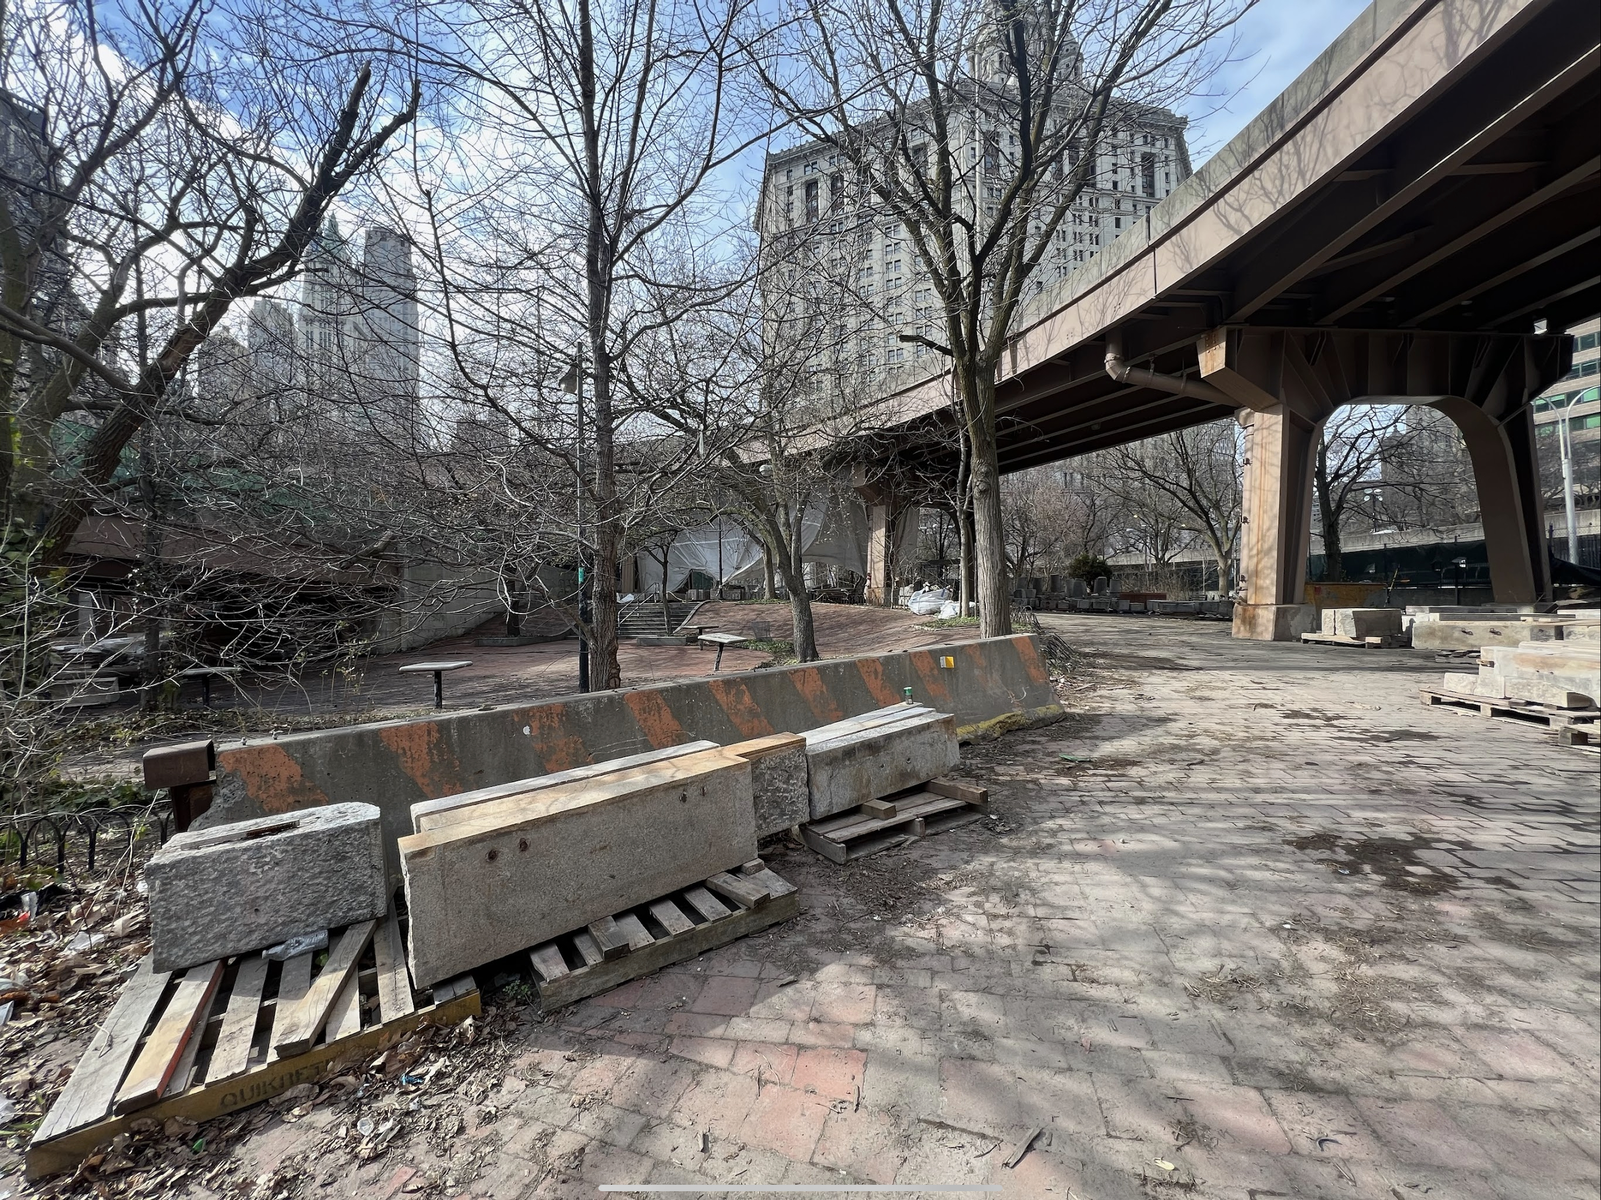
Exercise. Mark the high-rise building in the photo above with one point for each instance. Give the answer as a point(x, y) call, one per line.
point(392, 338)
point(814, 211)
point(357, 340)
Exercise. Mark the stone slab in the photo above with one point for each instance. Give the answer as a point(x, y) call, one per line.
point(438, 813)
point(517, 872)
point(1361, 622)
point(780, 794)
point(233, 889)
point(1461, 635)
point(850, 768)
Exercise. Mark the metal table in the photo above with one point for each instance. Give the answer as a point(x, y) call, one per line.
point(438, 669)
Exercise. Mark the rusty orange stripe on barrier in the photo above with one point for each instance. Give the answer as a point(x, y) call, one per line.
point(741, 708)
point(809, 683)
point(655, 718)
point(397, 763)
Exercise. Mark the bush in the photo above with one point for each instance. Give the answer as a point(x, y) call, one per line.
point(1088, 567)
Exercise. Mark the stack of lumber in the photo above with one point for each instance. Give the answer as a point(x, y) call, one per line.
point(1565, 674)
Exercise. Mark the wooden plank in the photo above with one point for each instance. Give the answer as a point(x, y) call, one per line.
point(826, 846)
point(634, 930)
point(957, 790)
point(344, 1020)
point(157, 1061)
point(231, 1054)
point(746, 893)
point(925, 805)
point(88, 1094)
point(548, 962)
point(64, 1151)
point(775, 884)
point(588, 950)
point(293, 983)
point(298, 1028)
point(613, 942)
point(184, 1073)
point(706, 904)
point(394, 981)
point(665, 951)
point(670, 917)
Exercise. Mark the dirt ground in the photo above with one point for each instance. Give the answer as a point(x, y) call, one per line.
point(1252, 921)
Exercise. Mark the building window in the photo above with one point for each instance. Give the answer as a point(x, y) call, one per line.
point(1148, 174)
point(836, 192)
point(992, 152)
point(811, 200)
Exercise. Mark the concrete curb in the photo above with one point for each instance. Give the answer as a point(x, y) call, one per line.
point(988, 686)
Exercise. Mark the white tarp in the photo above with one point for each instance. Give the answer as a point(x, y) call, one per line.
point(833, 534)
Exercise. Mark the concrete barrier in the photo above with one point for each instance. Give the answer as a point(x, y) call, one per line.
point(989, 686)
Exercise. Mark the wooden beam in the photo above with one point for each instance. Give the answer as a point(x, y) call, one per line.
point(394, 980)
point(298, 1028)
point(63, 1152)
point(88, 1095)
point(157, 1061)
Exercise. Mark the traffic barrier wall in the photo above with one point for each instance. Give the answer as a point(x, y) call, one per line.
point(989, 686)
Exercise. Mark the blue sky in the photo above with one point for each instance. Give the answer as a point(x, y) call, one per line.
point(1277, 40)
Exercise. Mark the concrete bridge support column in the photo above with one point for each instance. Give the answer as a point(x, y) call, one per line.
point(1283, 419)
point(1506, 475)
point(1275, 535)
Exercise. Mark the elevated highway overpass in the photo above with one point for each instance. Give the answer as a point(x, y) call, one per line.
point(1413, 221)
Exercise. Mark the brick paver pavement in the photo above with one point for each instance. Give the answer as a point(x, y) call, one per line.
point(1253, 923)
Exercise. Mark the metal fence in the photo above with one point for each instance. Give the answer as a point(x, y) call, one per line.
point(82, 841)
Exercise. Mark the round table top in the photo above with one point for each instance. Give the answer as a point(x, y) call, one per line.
point(451, 665)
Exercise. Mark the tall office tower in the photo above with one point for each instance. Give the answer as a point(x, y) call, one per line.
point(329, 326)
point(843, 262)
point(392, 339)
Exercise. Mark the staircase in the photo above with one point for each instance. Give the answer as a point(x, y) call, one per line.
point(643, 618)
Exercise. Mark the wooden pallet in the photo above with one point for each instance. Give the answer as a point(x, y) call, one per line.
point(938, 805)
point(1386, 641)
point(225, 1035)
point(615, 949)
point(1516, 710)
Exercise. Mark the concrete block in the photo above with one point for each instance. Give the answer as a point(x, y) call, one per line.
point(436, 814)
point(849, 766)
point(231, 889)
point(780, 794)
point(1361, 622)
point(519, 871)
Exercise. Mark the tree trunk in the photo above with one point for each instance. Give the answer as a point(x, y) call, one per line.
point(804, 633)
point(964, 553)
point(1329, 515)
point(769, 581)
point(989, 533)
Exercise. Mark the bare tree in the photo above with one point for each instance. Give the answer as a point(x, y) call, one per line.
point(574, 215)
point(976, 126)
point(1194, 475)
point(152, 192)
point(1352, 449)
